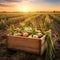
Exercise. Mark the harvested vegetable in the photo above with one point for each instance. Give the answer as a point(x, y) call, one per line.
point(26, 31)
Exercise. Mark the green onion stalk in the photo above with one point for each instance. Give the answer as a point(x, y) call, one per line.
point(50, 46)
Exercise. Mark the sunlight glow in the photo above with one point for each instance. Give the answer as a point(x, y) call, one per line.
point(26, 9)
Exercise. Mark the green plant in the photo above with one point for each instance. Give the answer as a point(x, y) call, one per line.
point(50, 46)
point(2, 25)
point(12, 30)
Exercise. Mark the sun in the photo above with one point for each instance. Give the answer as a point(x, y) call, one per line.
point(25, 9)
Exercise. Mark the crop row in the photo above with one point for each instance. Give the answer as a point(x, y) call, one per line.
point(55, 18)
point(7, 22)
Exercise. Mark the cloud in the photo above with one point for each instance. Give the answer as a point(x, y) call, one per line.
point(3, 5)
point(34, 1)
point(8, 4)
point(53, 2)
point(17, 0)
point(11, 0)
point(44, 1)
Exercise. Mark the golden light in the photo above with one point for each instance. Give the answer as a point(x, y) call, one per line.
point(26, 9)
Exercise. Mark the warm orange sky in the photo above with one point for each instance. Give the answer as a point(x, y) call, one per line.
point(29, 5)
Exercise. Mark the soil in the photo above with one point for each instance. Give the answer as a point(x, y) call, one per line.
point(57, 44)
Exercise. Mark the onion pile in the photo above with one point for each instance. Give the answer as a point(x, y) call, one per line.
point(26, 32)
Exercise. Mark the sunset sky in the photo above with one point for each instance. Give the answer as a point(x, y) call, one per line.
point(29, 5)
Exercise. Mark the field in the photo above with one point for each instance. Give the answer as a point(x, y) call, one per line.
point(42, 21)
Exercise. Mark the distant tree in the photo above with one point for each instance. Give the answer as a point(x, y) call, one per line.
point(54, 11)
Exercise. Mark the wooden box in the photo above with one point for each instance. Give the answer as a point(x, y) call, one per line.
point(32, 45)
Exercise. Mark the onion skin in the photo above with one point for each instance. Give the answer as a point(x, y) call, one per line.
point(19, 34)
point(30, 36)
point(39, 35)
point(35, 36)
point(25, 34)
